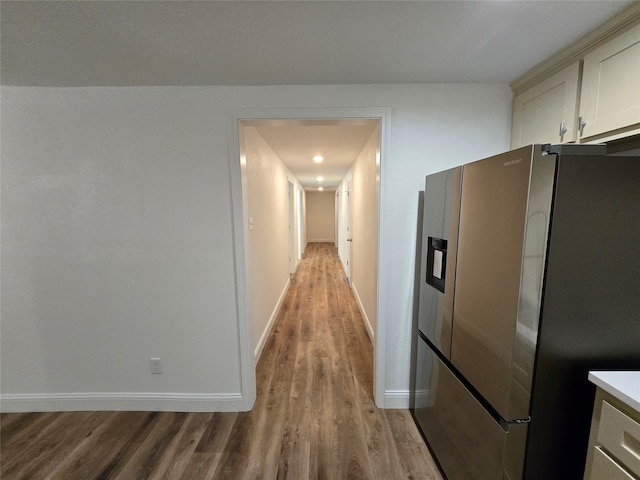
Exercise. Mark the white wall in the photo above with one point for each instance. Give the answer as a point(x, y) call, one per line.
point(117, 242)
point(116, 247)
point(267, 192)
point(364, 229)
point(321, 213)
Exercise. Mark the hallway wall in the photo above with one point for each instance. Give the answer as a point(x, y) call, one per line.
point(365, 186)
point(267, 256)
point(321, 213)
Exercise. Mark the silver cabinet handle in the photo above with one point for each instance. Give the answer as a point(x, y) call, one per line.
point(563, 130)
point(581, 124)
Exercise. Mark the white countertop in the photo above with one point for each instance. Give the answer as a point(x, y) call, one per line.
point(625, 386)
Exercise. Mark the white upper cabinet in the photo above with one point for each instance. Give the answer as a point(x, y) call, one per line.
point(546, 112)
point(610, 94)
point(588, 92)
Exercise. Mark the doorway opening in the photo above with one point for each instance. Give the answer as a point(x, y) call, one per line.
point(365, 189)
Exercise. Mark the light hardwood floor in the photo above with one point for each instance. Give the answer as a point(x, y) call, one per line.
point(314, 416)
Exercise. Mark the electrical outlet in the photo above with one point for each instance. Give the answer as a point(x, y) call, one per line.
point(156, 365)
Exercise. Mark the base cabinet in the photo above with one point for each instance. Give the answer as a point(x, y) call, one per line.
point(605, 467)
point(614, 442)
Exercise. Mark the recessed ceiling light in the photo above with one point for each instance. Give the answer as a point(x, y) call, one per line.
point(318, 159)
point(320, 188)
point(320, 179)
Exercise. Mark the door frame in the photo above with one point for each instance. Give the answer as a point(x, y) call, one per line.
point(239, 214)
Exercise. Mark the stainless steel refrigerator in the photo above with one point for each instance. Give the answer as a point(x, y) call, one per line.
point(529, 278)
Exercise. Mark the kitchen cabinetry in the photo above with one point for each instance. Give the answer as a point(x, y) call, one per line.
point(610, 95)
point(595, 97)
point(546, 113)
point(614, 442)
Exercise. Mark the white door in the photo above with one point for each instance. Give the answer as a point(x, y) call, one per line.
point(292, 230)
point(299, 225)
point(347, 218)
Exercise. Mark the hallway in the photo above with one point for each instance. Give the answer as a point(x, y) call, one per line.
point(314, 417)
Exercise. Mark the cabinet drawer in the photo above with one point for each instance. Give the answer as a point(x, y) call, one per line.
point(604, 468)
point(620, 436)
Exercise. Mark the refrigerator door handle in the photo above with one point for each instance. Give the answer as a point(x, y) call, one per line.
point(520, 421)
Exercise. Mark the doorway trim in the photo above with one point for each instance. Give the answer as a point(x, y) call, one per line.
point(239, 215)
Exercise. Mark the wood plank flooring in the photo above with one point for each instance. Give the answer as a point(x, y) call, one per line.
point(314, 416)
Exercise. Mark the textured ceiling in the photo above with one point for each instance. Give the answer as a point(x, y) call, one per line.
point(117, 43)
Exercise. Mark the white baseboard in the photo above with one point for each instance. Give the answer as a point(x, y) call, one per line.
point(396, 399)
point(321, 240)
point(272, 320)
point(155, 402)
point(367, 323)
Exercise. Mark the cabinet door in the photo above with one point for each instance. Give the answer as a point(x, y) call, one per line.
point(610, 97)
point(546, 113)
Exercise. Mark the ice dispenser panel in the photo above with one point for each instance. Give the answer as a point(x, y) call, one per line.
point(436, 262)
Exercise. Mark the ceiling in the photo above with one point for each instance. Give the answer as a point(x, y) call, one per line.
point(143, 43)
point(296, 142)
point(115, 43)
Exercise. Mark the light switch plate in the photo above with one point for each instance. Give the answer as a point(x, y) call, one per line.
point(156, 365)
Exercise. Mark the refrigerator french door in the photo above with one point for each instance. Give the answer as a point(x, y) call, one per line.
point(504, 221)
